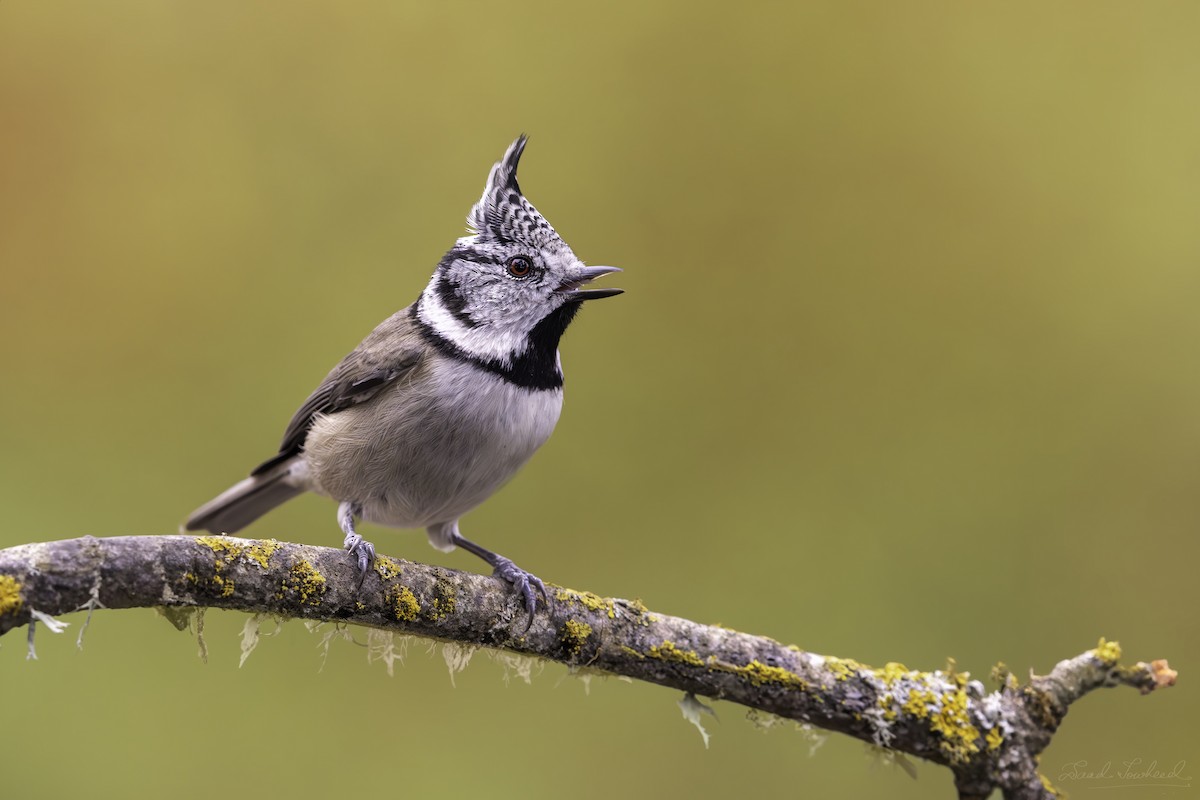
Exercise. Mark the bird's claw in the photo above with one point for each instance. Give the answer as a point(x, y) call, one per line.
point(362, 551)
point(525, 583)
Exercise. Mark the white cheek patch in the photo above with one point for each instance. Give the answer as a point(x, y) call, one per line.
point(486, 341)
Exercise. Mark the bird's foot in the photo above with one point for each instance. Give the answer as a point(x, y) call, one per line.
point(362, 551)
point(525, 583)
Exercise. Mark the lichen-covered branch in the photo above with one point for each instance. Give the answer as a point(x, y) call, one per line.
point(990, 740)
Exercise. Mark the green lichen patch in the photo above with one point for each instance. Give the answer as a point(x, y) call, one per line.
point(403, 603)
point(667, 651)
point(306, 582)
point(10, 595)
point(574, 636)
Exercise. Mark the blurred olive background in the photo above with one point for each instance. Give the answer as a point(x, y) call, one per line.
point(906, 367)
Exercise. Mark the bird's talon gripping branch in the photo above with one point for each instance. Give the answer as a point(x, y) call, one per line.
point(526, 584)
point(362, 551)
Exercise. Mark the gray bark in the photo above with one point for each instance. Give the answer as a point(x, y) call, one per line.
point(989, 740)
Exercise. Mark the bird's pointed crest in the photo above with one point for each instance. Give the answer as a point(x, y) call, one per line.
point(502, 213)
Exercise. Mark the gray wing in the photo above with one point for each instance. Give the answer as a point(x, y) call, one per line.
point(391, 351)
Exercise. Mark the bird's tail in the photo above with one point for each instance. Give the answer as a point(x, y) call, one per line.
point(246, 501)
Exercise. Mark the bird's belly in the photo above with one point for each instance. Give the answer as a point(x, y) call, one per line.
point(413, 458)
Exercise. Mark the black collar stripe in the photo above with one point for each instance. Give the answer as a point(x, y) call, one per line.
point(536, 368)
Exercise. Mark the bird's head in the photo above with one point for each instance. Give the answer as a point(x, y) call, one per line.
point(511, 286)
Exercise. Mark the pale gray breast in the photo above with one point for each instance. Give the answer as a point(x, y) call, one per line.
point(431, 447)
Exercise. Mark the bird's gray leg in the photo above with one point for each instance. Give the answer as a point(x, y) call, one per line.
point(527, 584)
point(358, 547)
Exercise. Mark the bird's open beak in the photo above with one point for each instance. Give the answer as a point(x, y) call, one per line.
point(584, 275)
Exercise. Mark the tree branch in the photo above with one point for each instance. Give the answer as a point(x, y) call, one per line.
point(989, 740)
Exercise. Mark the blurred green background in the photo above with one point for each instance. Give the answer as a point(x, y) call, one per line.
point(907, 366)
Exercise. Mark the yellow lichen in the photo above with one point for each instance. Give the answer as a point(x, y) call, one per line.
point(888, 704)
point(630, 651)
point(10, 595)
point(667, 651)
point(994, 739)
point(218, 582)
point(926, 696)
point(892, 672)
point(219, 544)
point(843, 668)
point(444, 600)
point(1108, 652)
point(1000, 674)
point(918, 703)
point(1049, 787)
point(637, 605)
point(306, 581)
point(590, 601)
point(953, 722)
point(225, 585)
point(575, 635)
point(1042, 705)
point(260, 552)
point(403, 603)
point(760, 674)
point(387, 567)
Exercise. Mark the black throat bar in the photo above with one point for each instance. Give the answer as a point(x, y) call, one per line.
point(536, 368)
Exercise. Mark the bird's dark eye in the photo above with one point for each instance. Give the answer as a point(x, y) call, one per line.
point(520, 266)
